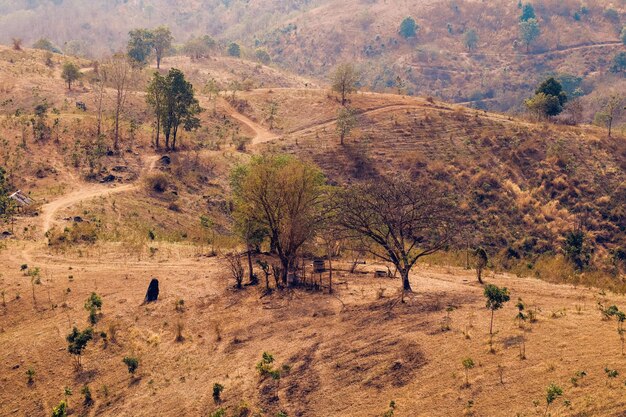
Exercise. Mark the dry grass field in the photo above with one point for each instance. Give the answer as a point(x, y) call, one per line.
point(349, 353)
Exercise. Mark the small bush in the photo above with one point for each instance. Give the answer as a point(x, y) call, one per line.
point(217, 392)
point(157, 182)
point(30, 374)
point(60, 410)
point(132, 363)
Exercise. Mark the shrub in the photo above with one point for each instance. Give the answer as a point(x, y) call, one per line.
point(132, 363)
point(220, 412)
point(157, 182)
point(217, 392)
point(552, 393)
point(86, 391)
point(94, 306)
point(30, 374)
point(265, 367)
point(60, 410)
point(468, 363)
point(392, 408)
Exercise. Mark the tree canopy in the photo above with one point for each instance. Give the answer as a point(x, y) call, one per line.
point(70, 73)
point(408, 28)
point(398, 220)
point(174, 104)
point(344, 80)
point(529, 31)
point(282, 197)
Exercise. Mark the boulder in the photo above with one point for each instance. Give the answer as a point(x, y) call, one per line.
point(153, 291)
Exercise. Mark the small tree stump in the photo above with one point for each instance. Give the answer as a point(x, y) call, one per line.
point(153, 291)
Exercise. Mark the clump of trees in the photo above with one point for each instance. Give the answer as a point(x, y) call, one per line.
point(173, 103)
point(143, 42)
point(548, 100)
point(199, 47)
point(282, 199)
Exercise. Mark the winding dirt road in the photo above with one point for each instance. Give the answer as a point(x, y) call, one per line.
point(48, 211)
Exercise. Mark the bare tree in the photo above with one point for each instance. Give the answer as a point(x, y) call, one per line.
point(118, 73)
point(400, 220)
point(611, 110)
point(236, 268)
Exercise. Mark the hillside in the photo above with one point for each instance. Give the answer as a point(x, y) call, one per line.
point(577, 42)
point(108, 222)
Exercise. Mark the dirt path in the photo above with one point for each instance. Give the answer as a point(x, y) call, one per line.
point(261, 134)
point(88, 192)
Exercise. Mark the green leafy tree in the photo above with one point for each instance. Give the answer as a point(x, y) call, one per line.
point(576, 250)
point(618, 65)
point(7, 205)
point(70, 73)
point(156, 98)
point(470, 39)
point(408, 28)
point(46, 45)
point(496, 297)
point(284, 197)
point(199, 47)
point(528, 12)
point(552, 393)
point(542, 105)
point(344, 81)
point(549, 98)
point(140, 45)
point(161, 42)
point(529, 32)
point(77, 342)
point(234, 50)
point(552, 87)
point(263, 56)
point(174, 104)
point(346, 121)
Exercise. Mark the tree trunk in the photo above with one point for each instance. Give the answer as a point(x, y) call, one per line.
point(479, 275)
point(330, 269)
point(406, 285)
point(251, 275)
